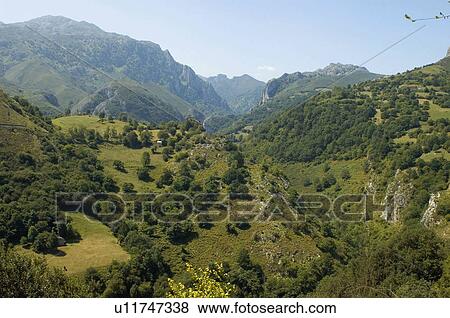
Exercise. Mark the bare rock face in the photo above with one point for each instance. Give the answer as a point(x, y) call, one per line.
point(429, 217)
point(118, 56)
point(397, 195)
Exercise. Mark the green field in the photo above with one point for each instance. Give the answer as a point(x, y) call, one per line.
point(299, 172)
point(14, 140)
point(132, 162)
point(97, 247)
point(88, 122)
point(437, 112)
point(441, 153)
point(270, 244)
point(404, 139)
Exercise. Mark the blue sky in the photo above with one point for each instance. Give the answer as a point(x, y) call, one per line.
point(264, 38)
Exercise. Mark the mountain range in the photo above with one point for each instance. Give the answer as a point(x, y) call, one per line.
point(65, 66)
point(58, 63)
point(292, 89)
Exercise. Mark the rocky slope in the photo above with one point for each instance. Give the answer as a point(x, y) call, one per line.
point(69, 60)
point(335, 74)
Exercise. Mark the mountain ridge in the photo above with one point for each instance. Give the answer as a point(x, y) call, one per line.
point(241, 92)
point(291, 89)
point(72, 79)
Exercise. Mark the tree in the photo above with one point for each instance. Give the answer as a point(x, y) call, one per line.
point(345, 174)
point(146, 159)
point(180, 232)
point(165, 179)
point(143, 174)
point(45, 241)
point(182, 183)
point(119, 166)
point(185, 170)
point(167, 152)
point(32, 233)
point(128, 187)
point(146, 138)
point(131, 140)
point(248, 278)
point(23, 276)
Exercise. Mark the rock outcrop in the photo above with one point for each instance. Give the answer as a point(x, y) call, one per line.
point(429, 218)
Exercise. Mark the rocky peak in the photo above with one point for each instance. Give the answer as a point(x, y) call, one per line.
point(338, 69)
point(58, 24)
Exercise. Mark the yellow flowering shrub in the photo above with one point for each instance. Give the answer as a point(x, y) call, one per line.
point(206, 283)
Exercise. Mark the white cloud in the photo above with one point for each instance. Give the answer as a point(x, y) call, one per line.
point(266, 68)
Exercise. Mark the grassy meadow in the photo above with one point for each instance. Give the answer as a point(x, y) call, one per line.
point(88, 122)
point(97, 247)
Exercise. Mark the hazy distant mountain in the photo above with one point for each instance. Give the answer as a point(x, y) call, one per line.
point(54, 78)
point(241, 92)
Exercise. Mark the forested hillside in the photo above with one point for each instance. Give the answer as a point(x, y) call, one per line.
point(283, 248)
point(336, 185)
point(292, 89)
point(363, 119)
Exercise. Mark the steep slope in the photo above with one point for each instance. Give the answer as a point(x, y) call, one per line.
point(69, 60)
point(398, 126)
point(348, 121)
point(335, 74)
point(241, 92)
point(292, 89)
point(137, 102)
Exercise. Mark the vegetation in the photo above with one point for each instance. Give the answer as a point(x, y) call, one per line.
point(250, 231)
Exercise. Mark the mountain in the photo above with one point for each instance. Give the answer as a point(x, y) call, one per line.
point(298, 85)
point(347, 122)
point(292, 89)
point(241, 92)
point(58, 62)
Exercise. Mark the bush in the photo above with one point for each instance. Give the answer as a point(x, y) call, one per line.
point(119, 166)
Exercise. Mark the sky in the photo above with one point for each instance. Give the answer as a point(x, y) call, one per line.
point(264, 38)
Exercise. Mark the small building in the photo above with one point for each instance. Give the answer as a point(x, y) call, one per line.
point(159, 143)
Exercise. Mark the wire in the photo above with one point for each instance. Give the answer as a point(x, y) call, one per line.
point(103, 73)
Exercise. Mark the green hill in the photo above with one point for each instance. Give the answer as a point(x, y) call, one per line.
point(36, 163)
point(290, 90)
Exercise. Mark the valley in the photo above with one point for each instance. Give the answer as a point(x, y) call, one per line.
point(121, 170)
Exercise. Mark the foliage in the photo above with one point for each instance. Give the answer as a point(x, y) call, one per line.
point(209, 282)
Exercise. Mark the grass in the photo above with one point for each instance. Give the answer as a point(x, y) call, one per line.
point(132, 162)
point(432, 69)
point(378, 119)
point(88, 122)
point(437, 112)
point(269, 244)
point(97, 247)
point(14, 140)
point(299, 172)
point(405, 139)
point(441, 153)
